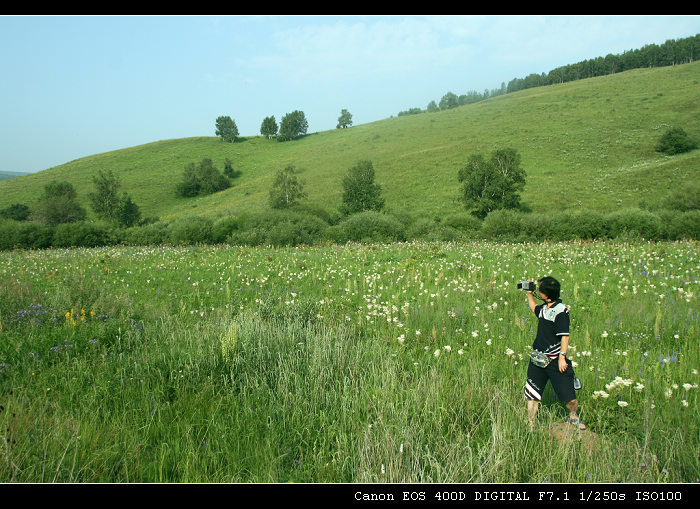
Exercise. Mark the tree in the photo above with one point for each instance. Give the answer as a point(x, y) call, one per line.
point(286, 189)
point(269, 127)
point(432, 107)
point(360, 193)
point(129, 213)
point(58, 204)
point(201, 179)
point(448, 101)
point(226, 128)
point(493, 184)
point(344, 120)
point(293, 125)
point(676, 141)
point(105, 200)
point(16, 211)
point(107, 204)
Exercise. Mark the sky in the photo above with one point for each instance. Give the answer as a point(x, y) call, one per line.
point(75, 86)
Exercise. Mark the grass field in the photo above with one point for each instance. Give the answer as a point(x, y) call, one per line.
point(356, 363)
point(588, 144)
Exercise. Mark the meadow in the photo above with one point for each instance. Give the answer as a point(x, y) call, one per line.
point(400, 362)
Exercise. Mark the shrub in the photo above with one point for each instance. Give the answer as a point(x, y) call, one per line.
point(191, 230)
point(465, 223)
point(24, 235)
point(83, 234)
point(503, 224)
point(676, 141)
point(278, 227)
point(369, 226)
point(224, 227)
point(684, 225)
point(634, 222)
point(584, 225)
point(153, 234)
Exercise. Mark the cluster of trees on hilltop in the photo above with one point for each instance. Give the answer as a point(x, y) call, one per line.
point(672, 52)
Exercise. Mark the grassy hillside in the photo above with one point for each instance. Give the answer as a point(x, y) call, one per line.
point(584, 144)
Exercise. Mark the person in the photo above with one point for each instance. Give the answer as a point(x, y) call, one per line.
point(552, 340)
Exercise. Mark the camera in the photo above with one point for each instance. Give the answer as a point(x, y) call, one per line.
point(528, 286)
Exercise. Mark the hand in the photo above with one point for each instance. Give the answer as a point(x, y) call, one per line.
point(563, 366)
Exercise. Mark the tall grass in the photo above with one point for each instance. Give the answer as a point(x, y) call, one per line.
point(381, 363)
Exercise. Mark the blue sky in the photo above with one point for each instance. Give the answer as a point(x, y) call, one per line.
point(74, 86)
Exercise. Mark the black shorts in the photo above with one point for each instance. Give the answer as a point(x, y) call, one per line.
point(562, 383)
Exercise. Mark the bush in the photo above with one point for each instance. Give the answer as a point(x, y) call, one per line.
point(504, 225)
point(190, 231)
point(83, 234)
point(587, 225)
point(24, 235)
point(278, 227)
point(465, 223)
point(224, 227)
point(154, 234)
point(682, 225)
point(368, 226)
point(634, 223)
point(676, 141)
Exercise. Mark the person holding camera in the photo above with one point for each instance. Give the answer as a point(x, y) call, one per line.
point(548, 361)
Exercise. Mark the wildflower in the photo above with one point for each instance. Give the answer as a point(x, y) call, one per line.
point(604, 334)
point(488, 342)
point(684, 402)
point(687, 387)
point(436, 353)
point(509, 352)
point(622, 404)
point(639, 387)
point(460, 351)
point(447, 348)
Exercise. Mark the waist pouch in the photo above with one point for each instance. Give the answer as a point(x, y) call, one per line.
point(539, 359)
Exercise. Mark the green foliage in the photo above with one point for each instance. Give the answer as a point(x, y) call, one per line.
point(201, 180)
point(368, 226)
point(286, 189)
point(191, 230)
point(83, 234)
point(105, 199)
point(676, 141)
point(684, 198)
point(494, 184)
point(269, 127)
point(293, 126)
point(58, 204)
point(229, 171)
point(16, 211)
point(449, 101)
point(226, 129)
point(360, 193)
point(24, 235)
point(277, 228)
point(154, 234)
point(344, 120)
point(635, 223)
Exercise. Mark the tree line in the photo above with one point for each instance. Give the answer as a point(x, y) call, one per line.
point(672, 52)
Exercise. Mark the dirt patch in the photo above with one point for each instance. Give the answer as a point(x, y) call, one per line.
point(564, 433)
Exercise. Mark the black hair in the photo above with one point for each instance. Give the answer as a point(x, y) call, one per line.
point(550, 287)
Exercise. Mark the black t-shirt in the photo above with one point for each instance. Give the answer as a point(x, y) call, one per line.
point(553, 324)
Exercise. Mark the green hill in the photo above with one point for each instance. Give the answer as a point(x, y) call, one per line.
point(584, 144)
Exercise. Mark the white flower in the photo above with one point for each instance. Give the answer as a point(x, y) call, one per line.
point(460, 351)
point(436, 353)
point(475, 333)
point(509, 351)
point(604, 334)
point(638, 387)
point(622, 403)
point(600, 394)
point(488, 342)
point(448, 348)
point(668, 393)
point(687, 387)
point(684, 402)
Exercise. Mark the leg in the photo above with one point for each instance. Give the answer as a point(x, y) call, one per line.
point(572, 406)
point(532, 407)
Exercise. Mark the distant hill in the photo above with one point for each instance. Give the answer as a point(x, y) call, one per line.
point(584, 144)
point(4, 175)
